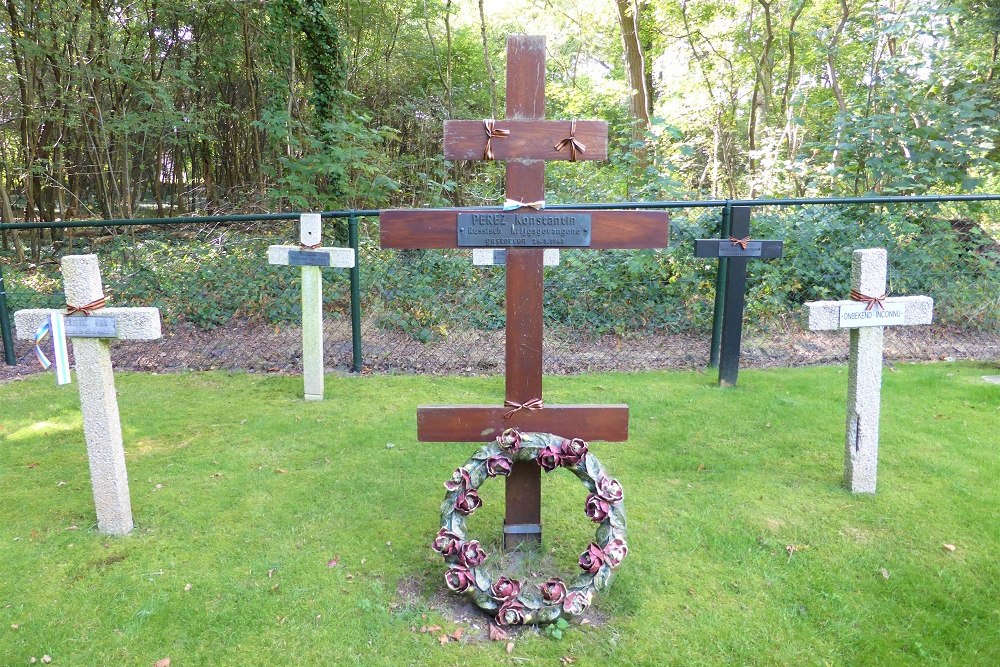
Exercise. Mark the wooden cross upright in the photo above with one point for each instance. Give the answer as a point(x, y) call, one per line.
point(737, 248)
point(525, 142)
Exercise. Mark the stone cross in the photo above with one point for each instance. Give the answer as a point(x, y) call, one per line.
point(91, 334)
point(525, 142)
point(737, 248)
point(310, 256)
point(866, 315)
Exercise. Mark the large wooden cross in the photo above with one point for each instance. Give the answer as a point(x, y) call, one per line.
point(524, 141)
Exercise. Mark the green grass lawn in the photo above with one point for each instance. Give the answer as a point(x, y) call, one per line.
point(744, 548)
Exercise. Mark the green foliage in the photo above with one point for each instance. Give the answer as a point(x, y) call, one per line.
point(555, 630)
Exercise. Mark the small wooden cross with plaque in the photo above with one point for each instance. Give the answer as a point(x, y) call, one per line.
point(525, 141)
point(738, 248)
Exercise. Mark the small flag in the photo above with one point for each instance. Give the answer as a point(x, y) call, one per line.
point(54, 326)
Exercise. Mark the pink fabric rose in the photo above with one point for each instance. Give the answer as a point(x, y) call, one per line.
point(615, 552)
point(509, 441)
point(511, 612)
point(505, 588)
point(471, 554)
point(460, 480)
point(596, 508)
point(446, 542)
point(576, 603)
point(549, 458)
point(553, 590)
point(468, 502)
point(573, 451)
point(592, 559)
point(498, 464)
point(609, 489)
point(458, 579)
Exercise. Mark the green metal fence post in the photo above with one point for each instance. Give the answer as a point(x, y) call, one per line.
point(8, 338)
point(720, 290)
point(352, 230)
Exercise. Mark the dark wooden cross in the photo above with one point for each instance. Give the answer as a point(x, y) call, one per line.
point(737, 248)
point(524, 141)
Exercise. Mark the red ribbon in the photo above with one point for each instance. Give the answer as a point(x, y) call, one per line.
point(573, 143)
point(533, 404)
point(491, 132)
point(310, 247)
point(740, 242)
point(87, 309)
point(872, 301)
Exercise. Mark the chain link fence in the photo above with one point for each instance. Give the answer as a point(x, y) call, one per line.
point(432, 311)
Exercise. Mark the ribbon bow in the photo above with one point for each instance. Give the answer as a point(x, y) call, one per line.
point(872, 301)
point(533, 404)
point(305, 246)
point(573, 143)
point(512, 204)
point(87, 309)
point(54, 325)
point(740, 242)
point(491, 132)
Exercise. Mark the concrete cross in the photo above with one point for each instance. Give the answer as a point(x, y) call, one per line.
point(866, 315)
point(310, 256)
point(91, 335)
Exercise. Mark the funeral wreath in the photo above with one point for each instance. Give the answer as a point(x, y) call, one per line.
point(511, 601)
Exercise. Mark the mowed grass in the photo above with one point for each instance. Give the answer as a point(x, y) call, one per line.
point(744, 547)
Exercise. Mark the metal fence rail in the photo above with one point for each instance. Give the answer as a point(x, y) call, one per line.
point(432, 311)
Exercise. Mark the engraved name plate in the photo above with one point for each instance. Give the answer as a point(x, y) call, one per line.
point(854, 315)
point(308, 258)
point(524, 230)
point(83, 326)
point(731, 249)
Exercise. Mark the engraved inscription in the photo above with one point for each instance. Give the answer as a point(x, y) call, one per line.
point(83, 326)
point(524, 230)
point(308, 258)
point(730, 249)
point(854, 315)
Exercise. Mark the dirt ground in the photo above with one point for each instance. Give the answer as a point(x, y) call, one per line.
point(256, 347)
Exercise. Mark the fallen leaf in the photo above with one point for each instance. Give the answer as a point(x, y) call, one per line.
point(188, 587)
point(949, 547)
point(216, 475)
point(280, 471)
point(510, 647)
point(60, 483)
point(430, 628)
point(15, 626)
point(32, 465)
point(46, 658)
point(567, 660)
point(701, 467)
point(349, 576)
point(162, 662)
point(791, 548)
point(157, 487)
point(73, 527)
point(443, 639)
point(497, 633)
point(33, 660)
point(270, 573)
point(457, 635)
point(333, 562)
point(885, 573)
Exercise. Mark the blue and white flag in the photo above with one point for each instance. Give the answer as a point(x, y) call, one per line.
point(54, 326)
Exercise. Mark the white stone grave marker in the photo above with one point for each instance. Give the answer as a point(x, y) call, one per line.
point(90, 333)
point(866, 314)
point(310, 256)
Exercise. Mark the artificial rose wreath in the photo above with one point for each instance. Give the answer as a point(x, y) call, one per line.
point(510, 600)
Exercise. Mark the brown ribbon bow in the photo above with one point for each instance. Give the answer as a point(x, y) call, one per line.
point(573, 143)
point(87, 309)
point(872, 301)
point(740, 242)
point(533, 404)
point(310, 247)
point(491, 132)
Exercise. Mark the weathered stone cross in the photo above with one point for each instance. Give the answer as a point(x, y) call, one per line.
point(525, 142)
point(91, 333)
point(310, 256)
point(868, 311)
point(737, 248)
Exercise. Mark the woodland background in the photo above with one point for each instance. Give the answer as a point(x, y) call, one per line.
point(151, 108)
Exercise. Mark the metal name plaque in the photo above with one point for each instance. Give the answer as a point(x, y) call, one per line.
point(854, 315)
point(308, 258)
point(84, 326)
point(730, 249)
point(524, 230)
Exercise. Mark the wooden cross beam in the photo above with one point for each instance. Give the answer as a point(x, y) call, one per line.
point(525, 141)
point(738, 248)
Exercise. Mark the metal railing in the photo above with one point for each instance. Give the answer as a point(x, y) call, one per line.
point(354, 218)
